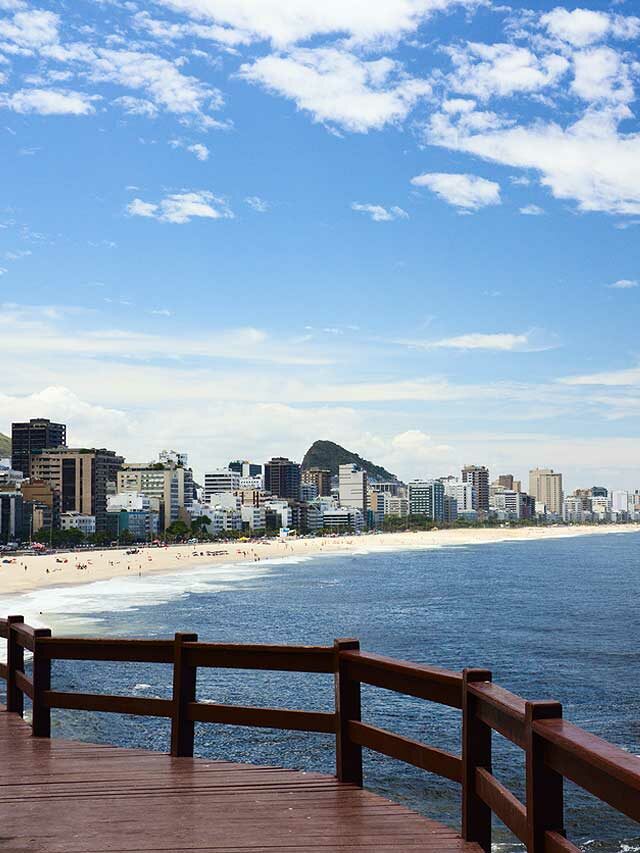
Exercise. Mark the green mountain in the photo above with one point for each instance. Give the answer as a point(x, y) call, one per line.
point(5, 445)
point(327, 454)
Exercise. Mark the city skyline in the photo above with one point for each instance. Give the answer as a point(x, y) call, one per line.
point(413, 232)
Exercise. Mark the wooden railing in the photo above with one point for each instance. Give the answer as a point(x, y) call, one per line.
point(554, 749)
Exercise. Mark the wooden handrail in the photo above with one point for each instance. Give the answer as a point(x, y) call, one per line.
point(554, 749)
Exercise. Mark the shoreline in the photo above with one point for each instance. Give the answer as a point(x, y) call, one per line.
point(75, 568)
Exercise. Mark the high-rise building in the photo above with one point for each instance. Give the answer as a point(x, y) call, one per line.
point(246, 469)
point(320, 478)
point(546, 487)
point(171, 484)
point(426, 497)
point(81, 477)
point(174, 456)
point(505, 481)
point(12, 521)
point(220, 480)
point(463, 494)
point(352, 487)
point(32, 436)
point(478, 476)
point(282, 478)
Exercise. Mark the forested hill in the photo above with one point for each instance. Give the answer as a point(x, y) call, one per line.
point(5, 445)
point(327, 454)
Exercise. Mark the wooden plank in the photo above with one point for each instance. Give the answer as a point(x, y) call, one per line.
point(556, 843)
point(3, 671)
point(4, 629)
point(502, 711)
point(140, 706)
point(502, 803)
point(437, 685)
point(273, 718)
point(62, 797)
point(131, 651)
point(15, 663)
point(24, 684)
point(410, 751)
point(605, 770)
point(283, 658)
point(184, 693)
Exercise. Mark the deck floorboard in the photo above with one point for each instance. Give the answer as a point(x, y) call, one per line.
point(67, 797)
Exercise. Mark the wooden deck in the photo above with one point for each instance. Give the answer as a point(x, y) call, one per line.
point(66, 797)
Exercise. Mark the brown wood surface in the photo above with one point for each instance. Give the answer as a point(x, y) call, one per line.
point(425, 682)
point(98, 649)
point(476, 753)
point(501, 710)
point(429, 758)
point(268, 718)
point(242, 656)
point(502, 803)
point(62, 797)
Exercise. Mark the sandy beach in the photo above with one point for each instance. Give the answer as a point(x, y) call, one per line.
point(27, 573)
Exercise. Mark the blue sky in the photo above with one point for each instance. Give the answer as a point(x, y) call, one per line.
point(233, 227)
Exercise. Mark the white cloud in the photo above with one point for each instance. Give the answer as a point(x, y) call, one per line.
point(162, 79)
point(200, 151)
point(623, 284)
point(582, 27)
point(48, 102)
point(627, 376)
point(590, 161)
point(485, 70)
point(299, 20)
point(256, 203)
point(137, 106)
point(161, 312)
point(379, 213)
point(531, 210)
point(602, 75)
point(30, 30)
point(467, 192)
point(179, 208)
point(3, 270)
point(503, 342)
point(336, 87)
point(169, 32)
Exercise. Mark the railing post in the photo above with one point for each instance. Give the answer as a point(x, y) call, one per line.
point(476, 752)
point(184, 691)
point(15, 663)
point(41, 719)
point(348, 754)
point(545, 800)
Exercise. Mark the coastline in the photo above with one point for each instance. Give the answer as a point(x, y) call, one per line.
point(29, 573)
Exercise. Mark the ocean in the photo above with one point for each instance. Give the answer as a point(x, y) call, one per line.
point(552, 619)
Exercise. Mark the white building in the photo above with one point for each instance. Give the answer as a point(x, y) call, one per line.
point(352, 487)
point(574, 510)
point(621, 502)
point(85, 523)
point(343, 518)
point(174, 456)
point(223, 520)
point(254, 516)
point(128, 501)
point(601, 508)
point(463, 494)
point(218, 481)
point(225, 499)
point(282, 511)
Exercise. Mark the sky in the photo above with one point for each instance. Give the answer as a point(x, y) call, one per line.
point(233, 227)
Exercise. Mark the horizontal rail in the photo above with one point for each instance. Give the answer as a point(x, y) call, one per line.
point(410, 751)
point(93, 649)
point(25, 635)
point(501, 710)
point(268, 718)
point(605, 770)
point(556, 843)
point(137, 705)
point(502, 802)
point(425, 682)
point(283, 658)
point(25, 684)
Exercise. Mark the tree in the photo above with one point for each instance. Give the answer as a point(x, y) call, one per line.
point(177, 530)
point(199, 525)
